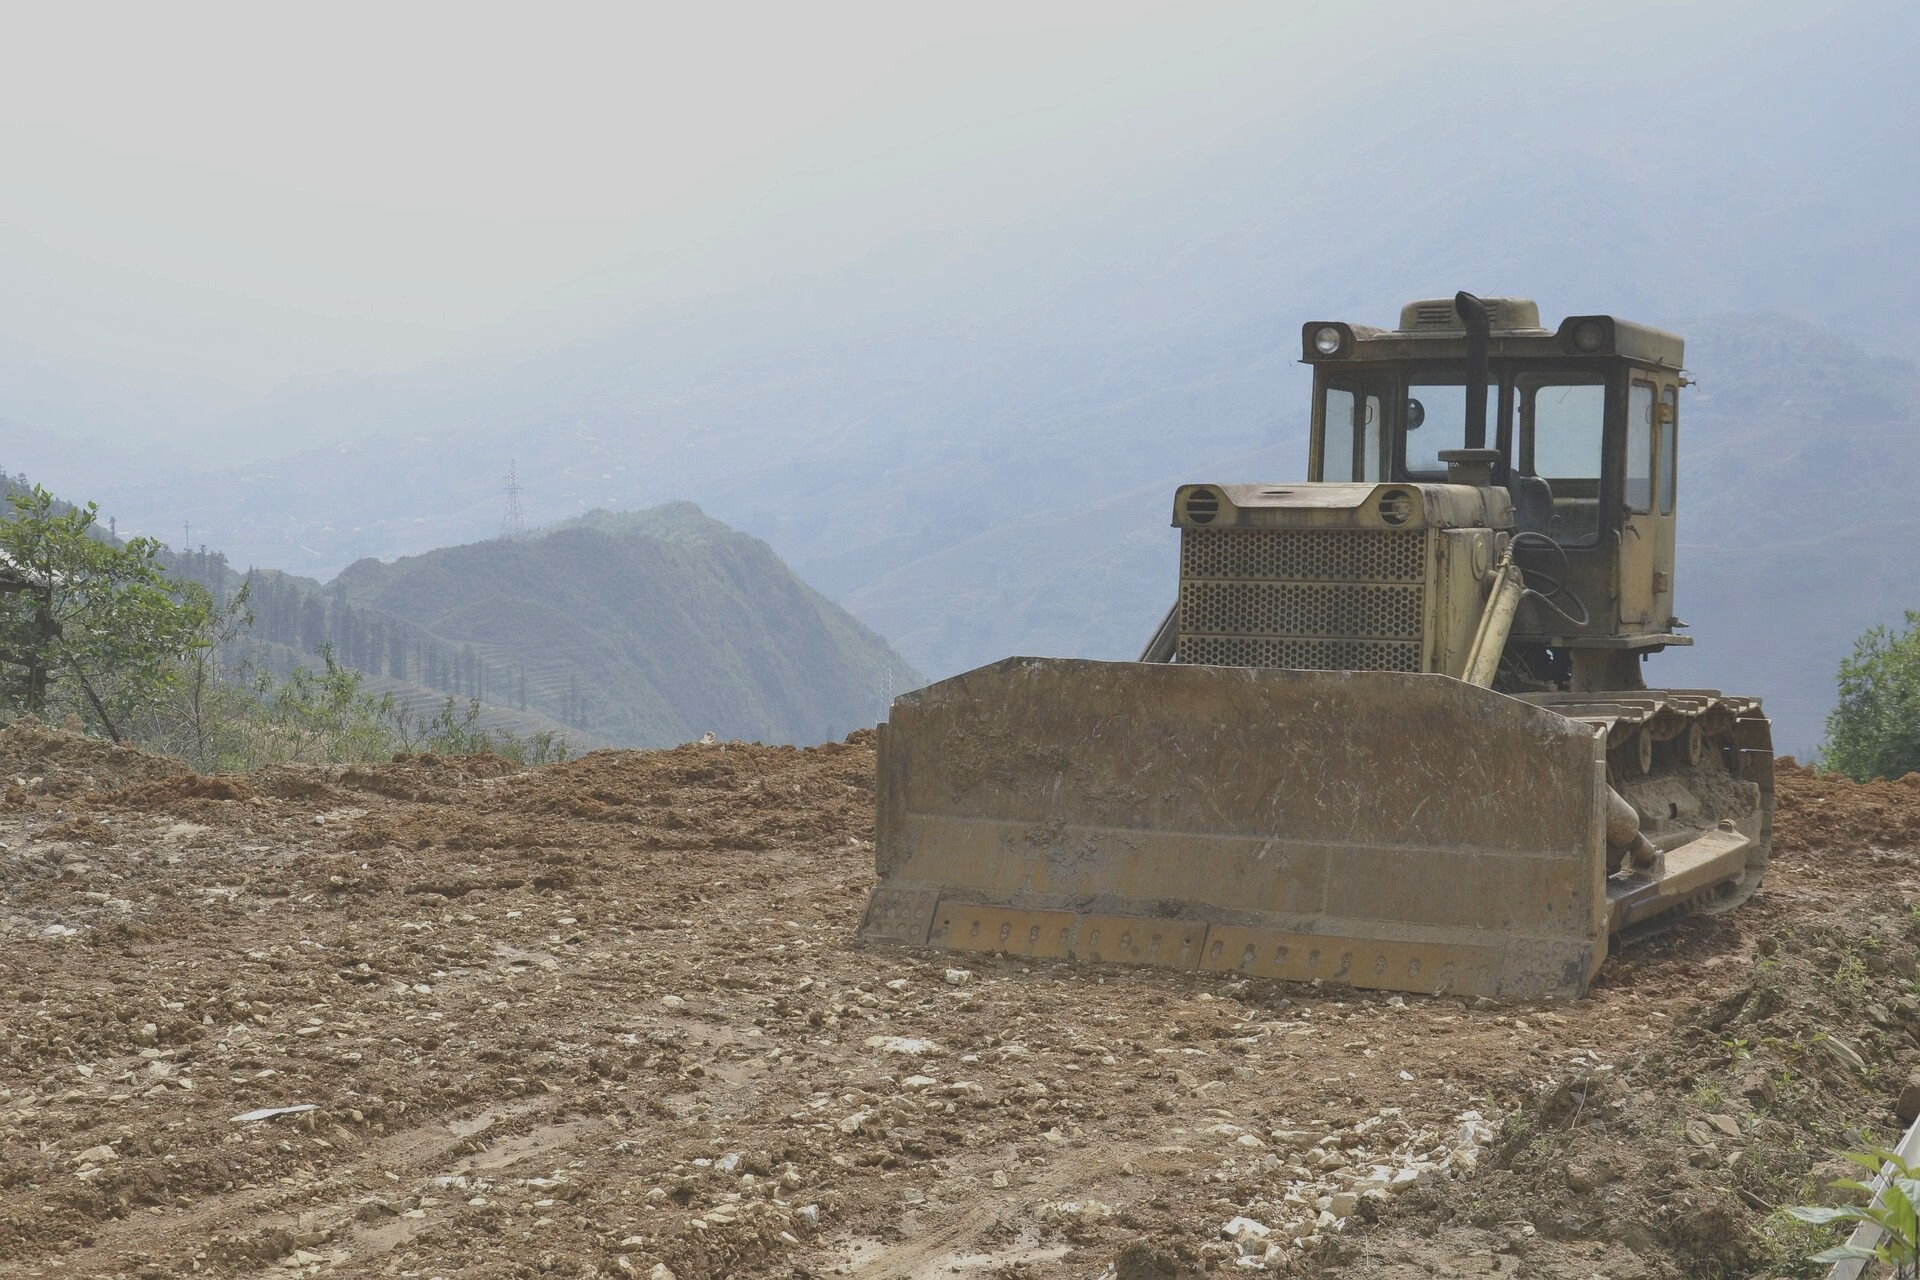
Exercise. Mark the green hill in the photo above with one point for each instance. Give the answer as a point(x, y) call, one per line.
point(645, 628)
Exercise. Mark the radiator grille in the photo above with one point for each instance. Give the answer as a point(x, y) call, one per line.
point(1305, 599)
point(1301, 608)
point(1305, 555)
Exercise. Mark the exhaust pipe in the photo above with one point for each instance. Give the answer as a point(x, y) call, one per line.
point(1473, 313)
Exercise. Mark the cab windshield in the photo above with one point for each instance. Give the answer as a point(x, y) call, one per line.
point(1395, 424)
point(1436, 418)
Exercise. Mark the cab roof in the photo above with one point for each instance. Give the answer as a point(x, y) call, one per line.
point(1431, 329)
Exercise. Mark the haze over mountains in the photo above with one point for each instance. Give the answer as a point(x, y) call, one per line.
point(653, 627)
point(646, 628)
point(949, 365)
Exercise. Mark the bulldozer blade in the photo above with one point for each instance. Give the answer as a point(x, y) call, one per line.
point(1387, 830)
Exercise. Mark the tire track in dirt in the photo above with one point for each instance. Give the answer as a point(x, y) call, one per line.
point(609, 1015)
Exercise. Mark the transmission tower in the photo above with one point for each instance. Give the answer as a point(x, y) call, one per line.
point(516, 524)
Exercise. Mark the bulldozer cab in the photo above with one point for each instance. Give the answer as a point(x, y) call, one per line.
point(1581, 423)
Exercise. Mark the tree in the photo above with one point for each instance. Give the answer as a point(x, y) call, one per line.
point(201, 666)
point(83, 621)
point(313, 623)
point(1874, 730)
point(325, 715)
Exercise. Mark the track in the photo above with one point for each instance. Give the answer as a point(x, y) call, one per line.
point(1688, 760)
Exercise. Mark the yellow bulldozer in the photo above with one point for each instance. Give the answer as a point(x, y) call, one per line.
point(1394, 732)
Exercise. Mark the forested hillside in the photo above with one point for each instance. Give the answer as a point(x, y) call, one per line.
point(644, 628)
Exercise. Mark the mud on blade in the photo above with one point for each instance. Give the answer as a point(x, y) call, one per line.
point(1409, 832)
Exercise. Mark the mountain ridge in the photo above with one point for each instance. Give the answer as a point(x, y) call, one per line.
point(670, 625)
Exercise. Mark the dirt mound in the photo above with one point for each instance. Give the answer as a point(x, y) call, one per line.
point(425, 776)
point(171, 792)
point(70, 763)
point(725, 795)
point(1829, 813)
point(83, 829)
point(296, 782)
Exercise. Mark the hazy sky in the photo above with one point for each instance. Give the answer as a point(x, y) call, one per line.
point(200, 202)
point(348, 186)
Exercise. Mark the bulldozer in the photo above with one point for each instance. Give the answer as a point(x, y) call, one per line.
point(1395, 731)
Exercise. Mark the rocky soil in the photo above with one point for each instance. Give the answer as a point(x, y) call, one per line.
point(607, 1018)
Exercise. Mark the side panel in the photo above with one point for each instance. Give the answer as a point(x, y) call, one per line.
point(1463, 567)
point(1390, 830)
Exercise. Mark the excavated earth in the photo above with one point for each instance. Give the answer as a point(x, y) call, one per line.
point(444, 1017)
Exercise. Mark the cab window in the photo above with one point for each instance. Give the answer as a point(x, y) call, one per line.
point(1638, 491)
point(1562, 440)
point(1351, 439)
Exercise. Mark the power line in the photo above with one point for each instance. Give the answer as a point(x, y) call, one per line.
point(516, 524)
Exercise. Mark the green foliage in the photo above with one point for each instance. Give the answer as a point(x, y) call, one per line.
point(1892, 1210)
point(1789, 1245)
point(1850, 974)
point(1874, 730)
point(87, 627)
point(189, 720)
point(327, 716)
point(1708, 1096)
point(201, 667)
point(450, 732)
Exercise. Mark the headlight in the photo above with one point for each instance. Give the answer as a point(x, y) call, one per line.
point(1325, 340)
point(1586, 334)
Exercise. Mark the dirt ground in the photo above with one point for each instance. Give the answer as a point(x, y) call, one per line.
point(607, 1018)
